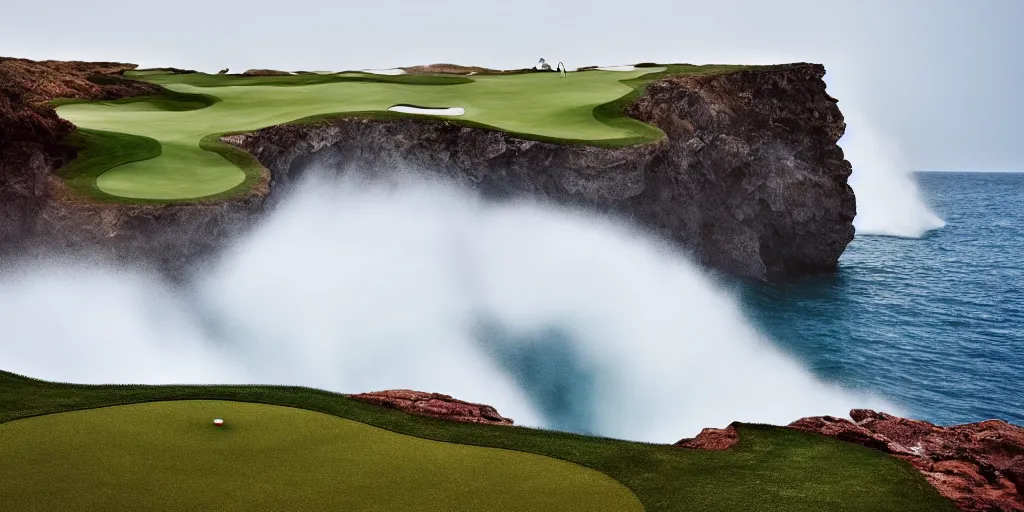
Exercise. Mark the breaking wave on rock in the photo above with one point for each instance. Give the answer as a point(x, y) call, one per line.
point(889, 202)
point(558, 318)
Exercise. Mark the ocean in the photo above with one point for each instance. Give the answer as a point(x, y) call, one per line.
point(934, 324)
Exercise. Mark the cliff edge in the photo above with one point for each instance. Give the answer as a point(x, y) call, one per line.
point(748, 179)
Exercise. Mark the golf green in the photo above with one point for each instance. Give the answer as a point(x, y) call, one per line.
point(170, 456)
point(772, 469)
point(542, 105)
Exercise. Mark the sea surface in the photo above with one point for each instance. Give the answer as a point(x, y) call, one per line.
point(934, 324)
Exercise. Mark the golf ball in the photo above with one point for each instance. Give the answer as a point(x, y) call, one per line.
point(218, 422)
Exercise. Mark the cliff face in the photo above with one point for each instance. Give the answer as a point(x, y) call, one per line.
point(750, 179)
point(38, 214)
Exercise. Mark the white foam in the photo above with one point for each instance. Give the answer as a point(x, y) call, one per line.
point(889, 202)
point(451, 111)
point(356, 288)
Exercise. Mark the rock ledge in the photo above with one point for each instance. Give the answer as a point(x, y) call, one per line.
point(434, 405)
point(979, 466)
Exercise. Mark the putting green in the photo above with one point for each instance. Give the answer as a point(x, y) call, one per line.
point(169, 456)
point(541, 105)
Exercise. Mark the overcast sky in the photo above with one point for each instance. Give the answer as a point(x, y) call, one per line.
point(941, 79)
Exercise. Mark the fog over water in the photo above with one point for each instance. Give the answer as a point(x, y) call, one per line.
point(558, 318)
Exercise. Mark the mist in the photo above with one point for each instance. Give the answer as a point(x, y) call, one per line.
point(889, 202)
point(559, 318)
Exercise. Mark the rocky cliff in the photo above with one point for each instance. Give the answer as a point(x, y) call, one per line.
point(749, 179)
point(38, 214)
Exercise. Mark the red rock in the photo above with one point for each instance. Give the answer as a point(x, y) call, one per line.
point(434, 405)
point(715, 439)
point(979, 466)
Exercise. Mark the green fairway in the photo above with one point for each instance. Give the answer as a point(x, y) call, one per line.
point(773, 469)
point(169, 456)
point(542, 104)
point(581, 107)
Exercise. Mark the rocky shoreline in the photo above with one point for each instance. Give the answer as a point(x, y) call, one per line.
point(749, 180)
point(977, 466)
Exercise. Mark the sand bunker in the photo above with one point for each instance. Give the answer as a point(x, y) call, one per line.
point(452, 111)
point(393, 71)
point(618, 68)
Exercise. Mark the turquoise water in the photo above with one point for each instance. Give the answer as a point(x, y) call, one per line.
point(934, 324)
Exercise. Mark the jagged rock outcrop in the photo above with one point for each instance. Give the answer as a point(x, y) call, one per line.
point(979, 466)
point(434, 405)
point(715, 439)
point(749, 178)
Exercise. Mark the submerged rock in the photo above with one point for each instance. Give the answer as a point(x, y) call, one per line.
point(979, 466)
point(434, 405)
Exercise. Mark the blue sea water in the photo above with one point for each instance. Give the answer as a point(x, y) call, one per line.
point(934, 324)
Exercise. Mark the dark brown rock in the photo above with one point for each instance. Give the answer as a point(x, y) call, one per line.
point(977, 465)
point(749, 179)
point(715, 439)
point(39, 215)
point(434, 405)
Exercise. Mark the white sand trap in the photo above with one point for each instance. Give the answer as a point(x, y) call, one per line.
point(452, 111)
point(393, 71)
point(618, 68)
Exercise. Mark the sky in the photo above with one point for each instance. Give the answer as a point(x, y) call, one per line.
point(940, 80)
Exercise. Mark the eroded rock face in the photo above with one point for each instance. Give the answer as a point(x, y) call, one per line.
point(39, 215)
point(434, 405)
point(979, 466)
point(749, 179)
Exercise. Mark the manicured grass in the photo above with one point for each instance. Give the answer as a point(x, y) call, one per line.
point(772, 469)
point(207, 80)
point(100, 151)
point(169, 456)
point(581, 108)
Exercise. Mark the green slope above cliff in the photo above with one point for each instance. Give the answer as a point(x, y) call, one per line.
point(188, 163)
point(771, 469)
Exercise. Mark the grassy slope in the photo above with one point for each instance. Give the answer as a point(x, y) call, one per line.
point(273, 458)
point(100, 151)
point(772, 469)
point(583, 107)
